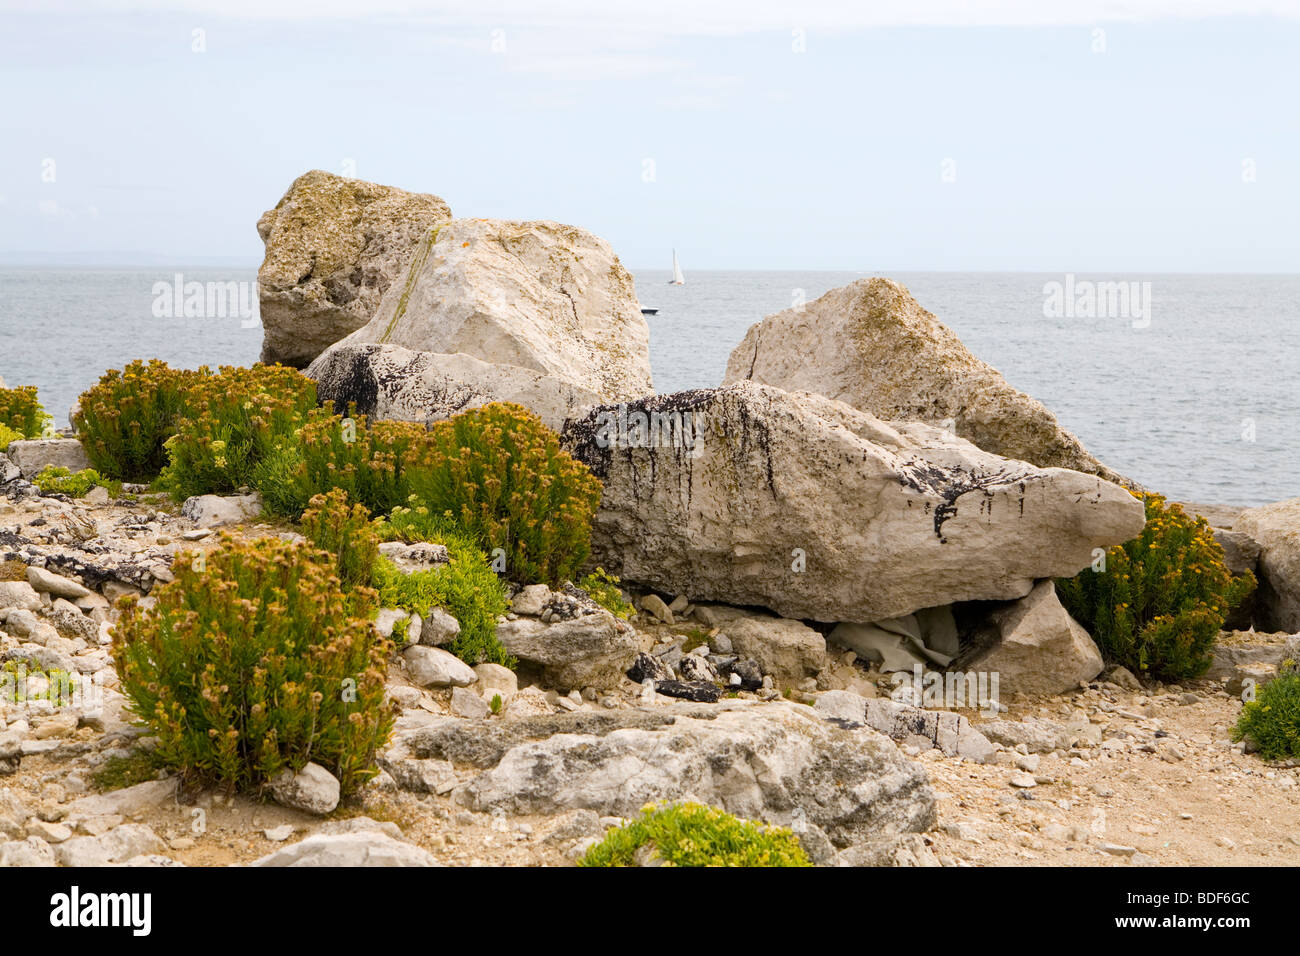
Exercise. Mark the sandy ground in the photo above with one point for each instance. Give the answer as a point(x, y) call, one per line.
point(1186, 798)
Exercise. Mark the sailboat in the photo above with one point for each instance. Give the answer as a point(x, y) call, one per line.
point(678, 278)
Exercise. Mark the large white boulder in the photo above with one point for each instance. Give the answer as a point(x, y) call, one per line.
point(773, 762)
point(1276, 529)
point(870, 345)
point(818, 511)
point(391, 382)
point(537, 295)
point(34, 455)
point(333, 247)
point(1034, 646)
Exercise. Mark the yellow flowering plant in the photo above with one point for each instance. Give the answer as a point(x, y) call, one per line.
point(501, 474)
point(370, 462)
point(125, 419)
point(21, 412)
point(232, 421)
point(497, 473)
point(1157, 603)
point(253, 659)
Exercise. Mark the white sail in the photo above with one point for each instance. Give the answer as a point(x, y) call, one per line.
point(678, 278)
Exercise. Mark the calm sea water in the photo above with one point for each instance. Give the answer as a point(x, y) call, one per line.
point(1201, 404)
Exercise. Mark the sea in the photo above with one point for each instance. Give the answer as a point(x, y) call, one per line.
point(1189, 387)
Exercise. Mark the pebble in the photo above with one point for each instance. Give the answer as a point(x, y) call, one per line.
point(1117, 849)
point(1023, 780)
point(49, 832)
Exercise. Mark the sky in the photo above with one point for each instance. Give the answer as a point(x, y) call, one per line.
point(1154, 136)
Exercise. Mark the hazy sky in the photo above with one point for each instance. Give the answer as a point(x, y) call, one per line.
point(1158, 136)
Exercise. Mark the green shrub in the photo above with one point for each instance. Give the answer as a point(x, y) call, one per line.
point(346, 533)
point(1272, 719)
point(7, 435)
point(466, 587)
point(21, 412)
point(370, 462)
point(55, 480)
point(118, 772)
point(690, 834)
point(233, 420)
point(503, 477)
point(253, 660)
point(497, 471)
point(603, 588)
point(125, 420)
point(1160, 601)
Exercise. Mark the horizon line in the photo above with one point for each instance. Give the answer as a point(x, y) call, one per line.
point(218, 262)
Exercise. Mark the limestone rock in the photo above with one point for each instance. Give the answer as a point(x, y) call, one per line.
point(1276, 527)
point(32, 851)
point(818, 511)
point(438, 628)
point(312, 789)
point(466, 703)
point(1238, 654)
point(531, 600)
point(1035, 646)
point(36, 454)
point(952, 734)
point(116, 846)
point(56, 585)
point(587, 651)
point(19, 594)
point(654, 605)
point(907, 850)
point(127, 801)
point(788, 650)
point(434, 667)
point(758, 761)
point(494, 679)
point(648, 667)
point(333, 247)
point(537, 295)
point(1038, 735)
point(387, 619)
point(1123, 677)
point(358, 848)
point(871, 345)
point(391, 382)
point(213, 511)
point(1240, 550)
point(420, 556)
